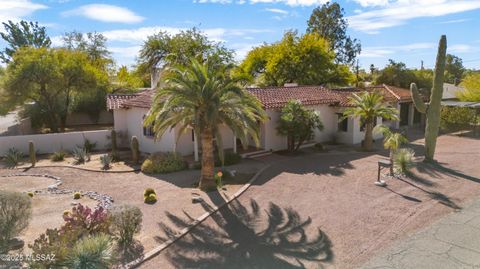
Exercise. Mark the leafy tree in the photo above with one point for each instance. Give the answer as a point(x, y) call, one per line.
point(93, 44)
point(328, 21)
point(128, 80)
point(162, 48)
point(204, 97)
point(302, 59)
point(52, 79)
point(453, 69)
point(391, 141)
point(22, 34)
point(457, 118)
point(298, 124)
point(368, 106)
point(471, 85)
point(397, 74)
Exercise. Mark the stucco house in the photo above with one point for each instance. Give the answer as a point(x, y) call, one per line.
point(129, 111)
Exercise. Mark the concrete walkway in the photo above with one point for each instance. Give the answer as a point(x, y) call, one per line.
point(452, 242)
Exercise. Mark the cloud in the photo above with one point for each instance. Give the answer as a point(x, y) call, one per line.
point(105, 13)
point(455, 21)
point(385, 51)
point(460, 48)
point(398, 12)
point(285, 2)
point(369, 3)
point(15, 10)
point(277, 11)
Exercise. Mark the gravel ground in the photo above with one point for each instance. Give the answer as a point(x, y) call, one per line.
point(276, 222)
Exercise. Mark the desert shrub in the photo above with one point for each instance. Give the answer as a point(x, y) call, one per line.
point(15, 213)
point(126, 221)
point(81, 155)
point(54, 246)
point(403, 160)
point(58, 156)
point(106, 161)
point(150, 199)
point(319, 146)
point(456, 118)
point(163, 163)
point(30, 194)
point(77, 195)
point(88, 146)
point(92, 252)
point(83, 220)
point(230, 158)
point(13, 157)
point(148, 191)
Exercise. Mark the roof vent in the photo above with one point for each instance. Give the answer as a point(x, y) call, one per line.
point(290, 85)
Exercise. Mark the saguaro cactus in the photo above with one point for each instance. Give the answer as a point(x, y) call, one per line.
point(135, 151)
point(32, 153)
point(432, 109)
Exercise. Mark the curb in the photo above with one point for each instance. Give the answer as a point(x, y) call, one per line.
point(157, 250)
point(79, 168)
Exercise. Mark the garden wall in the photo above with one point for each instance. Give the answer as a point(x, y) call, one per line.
point(49, 143)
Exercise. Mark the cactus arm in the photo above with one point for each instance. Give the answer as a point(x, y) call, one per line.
point(417, 99)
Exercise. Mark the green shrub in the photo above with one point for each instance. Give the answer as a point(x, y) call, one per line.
point(163, 163)
point(58, 156)
point(81, 155)
point(319, 146)
point(126, 221)
point(30, 194)
point(88, 146)
point(148, 191)
point(15, 213)
point(92, 252)
point(77, 195)
point(151, 199)
point(403, 160)
point(106, 161)
point(457, 118)
point(230, 158)
point(13, 157)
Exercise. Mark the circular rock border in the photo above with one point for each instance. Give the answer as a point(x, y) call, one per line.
point(103, 200)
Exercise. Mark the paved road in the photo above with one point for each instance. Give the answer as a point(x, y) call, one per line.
point(452, 242)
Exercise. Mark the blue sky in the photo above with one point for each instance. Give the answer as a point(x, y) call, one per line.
point(403, 30)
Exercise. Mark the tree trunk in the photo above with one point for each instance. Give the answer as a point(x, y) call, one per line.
point(392, 152)
point(367, 142)
point(207, 180)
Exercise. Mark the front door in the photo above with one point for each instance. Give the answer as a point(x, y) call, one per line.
point(404, 114)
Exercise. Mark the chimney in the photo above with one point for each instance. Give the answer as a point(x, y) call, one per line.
point(154, 77)
point(290, 85)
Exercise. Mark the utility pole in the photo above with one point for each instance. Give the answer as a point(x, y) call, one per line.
point(421, 67)
point(356, 72)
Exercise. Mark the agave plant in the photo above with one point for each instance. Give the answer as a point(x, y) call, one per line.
point(80, 155)
point(92, 252)
point(106, 161)
point(13, 157)
point(403, 160)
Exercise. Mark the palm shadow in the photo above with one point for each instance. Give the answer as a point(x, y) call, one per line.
point(240, 236)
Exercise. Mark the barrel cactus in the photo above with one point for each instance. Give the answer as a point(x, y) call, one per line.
point(433, 108)
point(32, 153)
point(135, 149)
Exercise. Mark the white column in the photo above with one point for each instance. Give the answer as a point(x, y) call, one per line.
point(195, 146)
point(234, 144)
point(411, 111)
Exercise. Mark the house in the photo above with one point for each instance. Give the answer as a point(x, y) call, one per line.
point(450, 92)
point(130, 110)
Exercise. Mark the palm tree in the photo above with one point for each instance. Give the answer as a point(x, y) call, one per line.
point(202, 96)
point(368, 106)
point(391, 141)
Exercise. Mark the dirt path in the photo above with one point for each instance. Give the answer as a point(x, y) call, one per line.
point(332, 192)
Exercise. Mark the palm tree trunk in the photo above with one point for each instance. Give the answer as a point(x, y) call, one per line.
point(368, 141)
point(207, 180)
point(391, 161)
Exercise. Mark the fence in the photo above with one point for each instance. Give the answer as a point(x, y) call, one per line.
point(49, 143)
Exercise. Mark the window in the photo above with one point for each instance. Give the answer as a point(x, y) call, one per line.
point(342, 123)
point(148, 130)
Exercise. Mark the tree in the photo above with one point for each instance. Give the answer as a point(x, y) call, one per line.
point(51, 79)
point(128, 80)
point(391, 141)
point(454, 69)
point(397, 74)
point(163, 49)
point(368, 106)
point(202, 96)
point(298, 124)
point(22, 34)
point(328, 21)
point(93, 44)
point(302, 59)
point(471, 85)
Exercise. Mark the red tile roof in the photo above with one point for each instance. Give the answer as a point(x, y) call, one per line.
point(277, 97)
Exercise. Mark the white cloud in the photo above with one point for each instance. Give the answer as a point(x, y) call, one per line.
point(286, 2)
point(454, 21)
point(277, 11)
point(15, 10)
point(398, 12)
point(460, 48)
point(385, 51)
point(369, 3)
point(105, 13)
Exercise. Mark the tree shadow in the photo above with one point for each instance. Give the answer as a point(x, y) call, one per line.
point(436, 169)
point(240, 236)
point(130, 253)
point(409, 198)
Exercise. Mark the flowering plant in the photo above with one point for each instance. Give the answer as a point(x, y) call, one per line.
point(218, 179)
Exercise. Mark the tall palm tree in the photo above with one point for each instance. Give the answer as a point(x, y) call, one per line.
point(202, 96)
point(368, 106)
point(391, 141)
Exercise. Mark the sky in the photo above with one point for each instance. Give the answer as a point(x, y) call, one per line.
point(402, 30)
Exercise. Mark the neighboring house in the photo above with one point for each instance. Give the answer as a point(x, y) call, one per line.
point(450, 91)
point(130, 110)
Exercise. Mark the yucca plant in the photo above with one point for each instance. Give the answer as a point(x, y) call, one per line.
point(106, 161)
point(94, 252)
point(403, 160)
point(13, 157)
point(81, 155)
point(391, 141)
